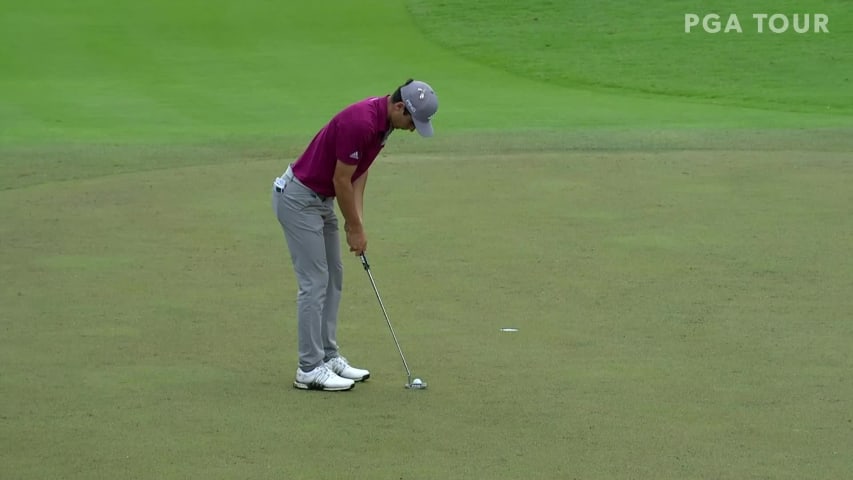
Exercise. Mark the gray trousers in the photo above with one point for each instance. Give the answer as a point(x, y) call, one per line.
point(311, 231)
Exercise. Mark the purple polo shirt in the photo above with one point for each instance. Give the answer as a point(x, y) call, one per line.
point(354, 136)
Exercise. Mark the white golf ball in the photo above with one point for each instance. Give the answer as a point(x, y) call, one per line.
point(417, 381)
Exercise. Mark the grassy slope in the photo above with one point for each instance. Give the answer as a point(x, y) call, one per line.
point(207, 71)
point(642, 47)
point(164, 84)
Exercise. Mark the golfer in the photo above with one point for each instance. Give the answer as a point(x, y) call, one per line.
point(335, 166)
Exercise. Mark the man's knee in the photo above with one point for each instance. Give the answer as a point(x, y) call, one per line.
point(313, 288)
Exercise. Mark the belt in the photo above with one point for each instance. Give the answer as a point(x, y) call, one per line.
point(288, 175)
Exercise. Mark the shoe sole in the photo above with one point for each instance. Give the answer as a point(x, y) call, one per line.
point(315, 386)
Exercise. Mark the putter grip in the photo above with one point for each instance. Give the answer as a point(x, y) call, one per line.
point(364, 261)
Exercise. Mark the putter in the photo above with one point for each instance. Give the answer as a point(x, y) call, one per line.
point(416, 384)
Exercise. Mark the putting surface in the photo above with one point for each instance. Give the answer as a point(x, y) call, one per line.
point(677, 267)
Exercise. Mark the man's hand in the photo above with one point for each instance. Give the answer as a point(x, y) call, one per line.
point(356, 239)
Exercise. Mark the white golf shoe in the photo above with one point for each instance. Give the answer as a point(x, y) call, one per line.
point(340, 366)
point(321, 378)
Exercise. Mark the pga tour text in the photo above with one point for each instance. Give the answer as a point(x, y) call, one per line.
point(761, 22)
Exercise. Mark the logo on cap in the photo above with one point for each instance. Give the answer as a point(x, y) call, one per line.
point(410, 106)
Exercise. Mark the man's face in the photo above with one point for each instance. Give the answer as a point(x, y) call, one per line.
point(400, 117)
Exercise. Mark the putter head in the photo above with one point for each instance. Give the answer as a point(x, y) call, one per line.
point(416, 384)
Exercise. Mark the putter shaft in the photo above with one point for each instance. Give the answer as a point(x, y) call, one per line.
point(387, 320)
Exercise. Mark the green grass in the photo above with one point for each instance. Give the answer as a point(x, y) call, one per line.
point(677, 265)
point(643, 47)
point(192, 72)
point(681, 315)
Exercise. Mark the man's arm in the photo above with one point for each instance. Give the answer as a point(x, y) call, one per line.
point(347, 200)
point(345, 192)
point(359, 185)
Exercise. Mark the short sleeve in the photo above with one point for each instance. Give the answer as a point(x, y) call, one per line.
point(351, 141)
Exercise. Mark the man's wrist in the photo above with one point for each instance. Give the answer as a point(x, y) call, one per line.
point(353, 227)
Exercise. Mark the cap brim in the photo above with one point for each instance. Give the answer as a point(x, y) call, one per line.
point(424, 128)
